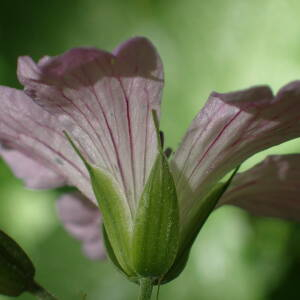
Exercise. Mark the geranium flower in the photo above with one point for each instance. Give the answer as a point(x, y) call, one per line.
point(104, 102)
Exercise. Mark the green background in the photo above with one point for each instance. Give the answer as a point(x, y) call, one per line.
point(205, 45)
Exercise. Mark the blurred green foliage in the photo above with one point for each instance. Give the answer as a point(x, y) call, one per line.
point(205, 45)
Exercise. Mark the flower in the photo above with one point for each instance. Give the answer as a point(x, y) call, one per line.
point(104, 102)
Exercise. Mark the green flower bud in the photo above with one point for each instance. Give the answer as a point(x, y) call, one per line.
point(142, 243)
point(16, 269)
point(156, 226)
point(149, 242)
point(155, 238)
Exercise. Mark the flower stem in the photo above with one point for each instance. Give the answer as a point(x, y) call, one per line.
point(40, 293)
point(145, 289)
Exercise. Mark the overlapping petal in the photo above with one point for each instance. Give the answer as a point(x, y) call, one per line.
point(33, 139)
point(269, 189)
point(104, 102)
point(229, 129)
point(82, 219)
point(35, 175)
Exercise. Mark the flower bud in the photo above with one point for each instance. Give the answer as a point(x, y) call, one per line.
point(142, 243)
point(156, 226)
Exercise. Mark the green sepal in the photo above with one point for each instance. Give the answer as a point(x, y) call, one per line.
point(110, 252)
point(115, 212)
point(156, 225)
point(16, 269)
point(189, 236)
point(111, 255)
point(177, 267)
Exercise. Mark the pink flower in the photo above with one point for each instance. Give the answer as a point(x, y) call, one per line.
point(104, 102)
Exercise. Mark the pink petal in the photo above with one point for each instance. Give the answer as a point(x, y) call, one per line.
point(269, 189)
point(35, 175)
point(95, 250)
point(82, 219)
point(36, 135)
point(229, 129)
point(104, 102)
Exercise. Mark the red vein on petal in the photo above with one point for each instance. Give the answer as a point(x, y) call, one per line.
point(146, 137)
point(44, 144)
point(222, 105)
point(34, 156)
point(91, 126)
point(117, 155)
point(59, 133)
point(130, 137)
point(214, 142)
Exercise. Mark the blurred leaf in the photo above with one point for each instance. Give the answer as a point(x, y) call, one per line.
point(16, 269)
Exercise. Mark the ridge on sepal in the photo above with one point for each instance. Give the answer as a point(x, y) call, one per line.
point(156, 225)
